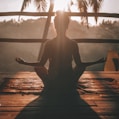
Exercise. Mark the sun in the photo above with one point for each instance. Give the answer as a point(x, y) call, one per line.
point(61, 5)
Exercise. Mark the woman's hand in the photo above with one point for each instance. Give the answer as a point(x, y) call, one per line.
point(20, 60)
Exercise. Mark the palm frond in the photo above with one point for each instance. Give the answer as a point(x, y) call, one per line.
point(84, 4)
point(95, 4)
point(25, 4)
point(83, 7)
point(69, 5)
point(41, 5)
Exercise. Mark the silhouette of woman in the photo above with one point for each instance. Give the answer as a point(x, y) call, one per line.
point(61, 77)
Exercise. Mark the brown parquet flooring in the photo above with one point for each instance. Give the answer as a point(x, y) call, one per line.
point(98, 94)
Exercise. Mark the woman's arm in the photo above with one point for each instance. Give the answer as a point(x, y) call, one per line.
point(78, 61)
point(42, 62)
point(101, 60)
point(22, 61)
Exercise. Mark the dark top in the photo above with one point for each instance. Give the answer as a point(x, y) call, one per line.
point(60, 55)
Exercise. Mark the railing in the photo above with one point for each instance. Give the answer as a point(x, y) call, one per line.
point(80, 40)
point(114, 15)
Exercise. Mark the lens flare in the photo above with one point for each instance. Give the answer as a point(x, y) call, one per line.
point(61, 5)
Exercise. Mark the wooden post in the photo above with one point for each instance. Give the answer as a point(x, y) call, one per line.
point(112, 63)
point(46, 28)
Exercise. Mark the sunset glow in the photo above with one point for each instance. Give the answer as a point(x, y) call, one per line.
point(61, 5)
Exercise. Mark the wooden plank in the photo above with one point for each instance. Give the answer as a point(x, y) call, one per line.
point(113, 104)
point(80, 111)
point(106, 111)
point(104, 103)
point(110, 117)
point(36, 115)
point(78, 40)
point(110, 65)
point(10, 115)
point(16, 100)
point(89, 14)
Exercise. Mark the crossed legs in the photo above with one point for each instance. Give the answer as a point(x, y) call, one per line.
point(42, 72)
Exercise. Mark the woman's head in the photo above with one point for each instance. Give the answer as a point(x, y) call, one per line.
point(61, 21)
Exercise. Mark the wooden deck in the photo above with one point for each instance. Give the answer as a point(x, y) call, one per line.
point(98, 98)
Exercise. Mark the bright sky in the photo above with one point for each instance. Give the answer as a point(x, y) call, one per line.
point(109, 6)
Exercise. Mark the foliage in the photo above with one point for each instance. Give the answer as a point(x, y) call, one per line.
point(82, 5)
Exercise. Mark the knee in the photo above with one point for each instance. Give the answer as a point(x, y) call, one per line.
point(42, 70)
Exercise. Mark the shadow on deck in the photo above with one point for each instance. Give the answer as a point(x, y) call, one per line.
point(96, 97)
